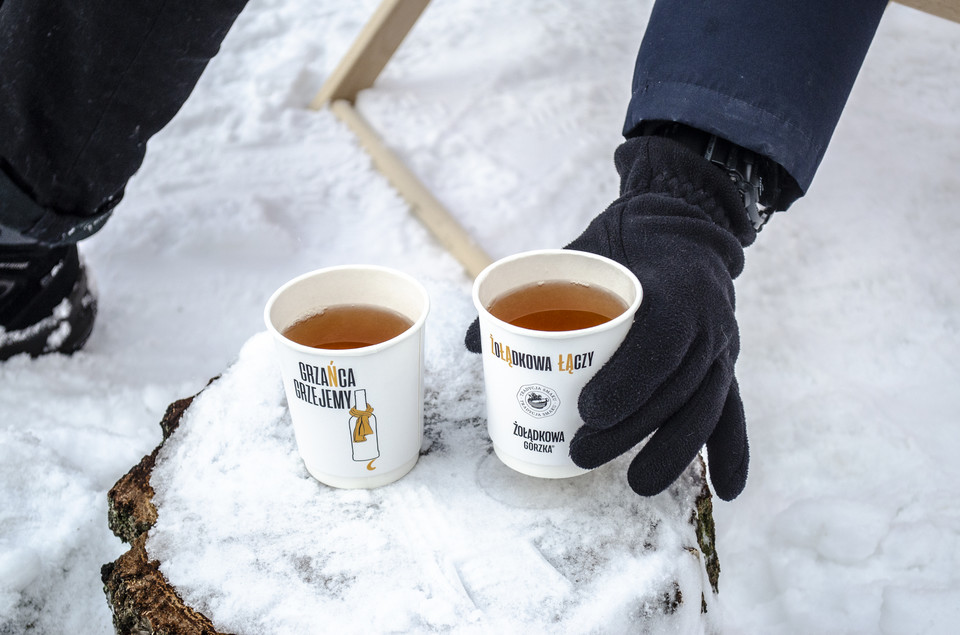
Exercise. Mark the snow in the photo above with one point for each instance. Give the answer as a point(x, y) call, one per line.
point(462, 542)
point(510, 112)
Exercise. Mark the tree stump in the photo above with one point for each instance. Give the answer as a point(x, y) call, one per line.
point(144, 602)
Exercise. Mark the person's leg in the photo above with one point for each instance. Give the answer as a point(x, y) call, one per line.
point(772, 77)
point(83, 86)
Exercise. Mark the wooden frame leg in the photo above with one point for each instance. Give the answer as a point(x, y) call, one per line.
point(423, 204)
point(370, 52)
point(358, 69)
point(946, 9)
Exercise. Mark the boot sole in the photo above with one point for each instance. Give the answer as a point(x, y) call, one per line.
point(65, 331)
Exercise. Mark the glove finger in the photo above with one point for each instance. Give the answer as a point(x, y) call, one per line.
point(592, 447)
point(679, 389)
point(728, 451)
point(676, 443)
point(472, 338)
point(641, 377)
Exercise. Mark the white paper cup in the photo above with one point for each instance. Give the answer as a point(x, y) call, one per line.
point(322, 386)
point(533, 378)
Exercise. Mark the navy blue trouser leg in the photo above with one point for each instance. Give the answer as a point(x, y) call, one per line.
point(771, 76)
point(83, 86)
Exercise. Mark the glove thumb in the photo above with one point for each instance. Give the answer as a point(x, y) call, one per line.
point(472, 339)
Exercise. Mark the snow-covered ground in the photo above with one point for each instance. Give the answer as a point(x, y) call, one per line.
point(510, 112)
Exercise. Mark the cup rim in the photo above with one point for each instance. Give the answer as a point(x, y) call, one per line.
point(416, 327)
point(628, 314)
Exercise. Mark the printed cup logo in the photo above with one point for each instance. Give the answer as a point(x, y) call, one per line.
point(324, 387)
point(519, 359)
point(538, 401)
point(565, 363)
point(363, 431)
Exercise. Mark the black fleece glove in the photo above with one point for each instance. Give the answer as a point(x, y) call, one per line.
point(680, 226)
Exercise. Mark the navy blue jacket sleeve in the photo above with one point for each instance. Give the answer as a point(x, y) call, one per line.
point(769, 76)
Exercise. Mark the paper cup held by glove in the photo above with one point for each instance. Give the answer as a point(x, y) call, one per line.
point(357, 412)
point(533, 378)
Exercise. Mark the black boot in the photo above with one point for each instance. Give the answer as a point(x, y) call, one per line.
point(46, 302)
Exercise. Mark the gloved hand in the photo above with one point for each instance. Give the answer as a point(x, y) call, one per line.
point(680, 226)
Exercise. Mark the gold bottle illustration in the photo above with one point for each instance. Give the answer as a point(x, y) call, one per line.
point(363, 430)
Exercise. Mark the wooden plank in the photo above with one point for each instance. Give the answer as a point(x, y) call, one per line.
point(370, 52)
point(948, 9)
point(424, 205)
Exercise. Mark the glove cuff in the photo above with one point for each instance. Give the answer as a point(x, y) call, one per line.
point(658, 165)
